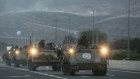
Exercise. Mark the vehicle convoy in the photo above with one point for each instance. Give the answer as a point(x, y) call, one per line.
point(44, 55)
point(84, 57)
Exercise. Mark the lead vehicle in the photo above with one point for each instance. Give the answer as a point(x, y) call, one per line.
point(78, 58)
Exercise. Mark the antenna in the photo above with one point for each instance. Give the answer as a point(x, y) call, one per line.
point(69, 19)
point(93, 33)
point(93, 40)
point(55, 36)
point(30, 40)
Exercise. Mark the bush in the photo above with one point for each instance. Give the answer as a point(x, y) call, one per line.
point(119, 56)
point(134, 56)
point(121, 44)
point(123, 55)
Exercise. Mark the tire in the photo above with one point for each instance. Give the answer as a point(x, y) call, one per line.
point(17, 64)
point(24, 64)
point(101, 71)
point(71, 72)
point(56, 67)
point(66, 69)
point(8, 63)
point(31, 66)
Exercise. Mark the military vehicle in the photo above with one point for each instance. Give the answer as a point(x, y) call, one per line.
point(8, 55)
point(8, 58)
point(44, 55)
point(20, 57)
point(15, 56)
point(94, 58)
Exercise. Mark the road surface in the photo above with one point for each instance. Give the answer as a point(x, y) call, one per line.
point(10, 72)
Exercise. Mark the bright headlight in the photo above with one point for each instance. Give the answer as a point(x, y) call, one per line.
point(33, 51)
point(71, 50)
point(17, 52)
point(9, 52)
point(104, 51)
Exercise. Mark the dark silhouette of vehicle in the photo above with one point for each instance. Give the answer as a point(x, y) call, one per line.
point(8, 55)
point(15, 56)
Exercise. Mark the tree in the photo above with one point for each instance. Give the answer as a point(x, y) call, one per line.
point(69, 39)
point(120, 44)
point(135, 45)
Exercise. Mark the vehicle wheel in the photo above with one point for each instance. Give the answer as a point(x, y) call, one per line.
point(101, 71)
point(8, 62)
point(16, 64)
point(66, 68)
point(71, 72)
point(57, 67)
point(24, 64)
point(54, 68)
point(31, 66)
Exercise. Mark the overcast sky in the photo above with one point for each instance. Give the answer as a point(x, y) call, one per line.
point(101, 7)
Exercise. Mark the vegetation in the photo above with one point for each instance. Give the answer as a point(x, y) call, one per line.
point(123, 55)
point(69, 39)
point(121, 45)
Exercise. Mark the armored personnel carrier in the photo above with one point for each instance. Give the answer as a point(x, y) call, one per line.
point(8, 55)
point(20, 57)
point(77, 58)
point(15, 56)
point(44, 55)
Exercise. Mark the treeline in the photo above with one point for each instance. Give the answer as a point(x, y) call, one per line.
point(122, 44)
